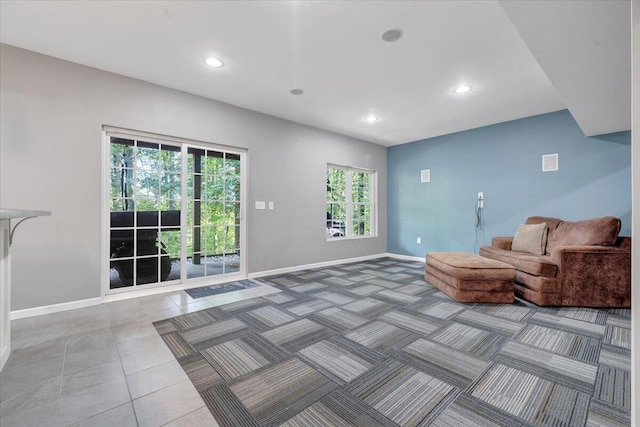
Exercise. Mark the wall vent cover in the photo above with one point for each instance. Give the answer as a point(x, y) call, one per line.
point(550, 162)
point(425, 175)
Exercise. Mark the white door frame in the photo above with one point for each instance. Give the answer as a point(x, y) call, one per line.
point(183, 283)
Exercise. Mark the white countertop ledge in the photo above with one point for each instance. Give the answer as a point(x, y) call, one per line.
point(21, 213)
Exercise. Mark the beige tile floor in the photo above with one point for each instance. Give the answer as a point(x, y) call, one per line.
point(104, 366)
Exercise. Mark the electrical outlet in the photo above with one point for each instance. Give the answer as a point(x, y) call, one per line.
point(418, 240)
point(480, 199)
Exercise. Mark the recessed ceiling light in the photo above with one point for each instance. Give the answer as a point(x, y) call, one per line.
point(296, 91)
point(462, 89)
point(392, 35)
point(371, 118)
point(214, 62)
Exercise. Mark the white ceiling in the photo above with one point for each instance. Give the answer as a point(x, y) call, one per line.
point(333, 51)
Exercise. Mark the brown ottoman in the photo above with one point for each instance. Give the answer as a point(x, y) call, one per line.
point(470, 278)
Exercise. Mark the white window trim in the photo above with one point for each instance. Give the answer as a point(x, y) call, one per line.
point(373, 203)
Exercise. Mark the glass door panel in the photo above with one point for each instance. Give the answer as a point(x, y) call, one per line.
point(214, 204)
point(145, 190)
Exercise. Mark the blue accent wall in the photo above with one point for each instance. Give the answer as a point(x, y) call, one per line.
point(505, 162)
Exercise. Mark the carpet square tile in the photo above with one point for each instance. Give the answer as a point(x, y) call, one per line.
point(617, 336)
point(334, 297)
point(396, 269)
point(511, 312)
point(178, 346)
point(453, 366)
point(341, 363)
point(561, 342)
point(530, 398)
point(280, 298)
point(400, 392)
point(362, 277)
point(397, 297)
point(365, 290)
point(313, 275)
point(267, 317)
point(372, 344)
point(412, 289)
point(411, 322)
point(307, 306)
point(568, 324)
point(491, 323)
point(317, 414)
point(381, 336)
point(622, 322)
point(291, 280)
point(470, 340)
point(374, 272)
point(338, 319)
point(203, 336)
point(613, 386)
point(581, 313)
point(296, 335)
point(458, 414)
point(241, 306)
point(603, 415)
point(308, 287)
point(193, 320)
point(279, 392)
point(339, 281)
point(615, 357)
point(200, 371)
point(385, 283)
point(564, 370)
point(237, 357)
point(399, 277)
point(438, 309)
point(368, 307)
point(332, 272)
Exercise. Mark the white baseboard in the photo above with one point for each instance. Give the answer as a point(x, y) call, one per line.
point(55, 308)
point(405, 257)
point(315, 265)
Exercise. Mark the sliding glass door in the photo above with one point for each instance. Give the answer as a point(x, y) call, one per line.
point(174, 211)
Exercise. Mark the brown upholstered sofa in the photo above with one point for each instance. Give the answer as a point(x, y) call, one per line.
point(585, 264)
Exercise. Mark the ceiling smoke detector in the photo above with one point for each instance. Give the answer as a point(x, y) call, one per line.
point(392, 35)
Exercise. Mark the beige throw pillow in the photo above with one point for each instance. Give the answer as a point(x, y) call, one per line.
point(530, 238)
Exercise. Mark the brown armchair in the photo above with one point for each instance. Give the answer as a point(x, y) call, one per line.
point(586, 264)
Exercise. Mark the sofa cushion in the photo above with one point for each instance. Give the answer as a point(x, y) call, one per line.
point(533, 264)
point(530, 238)
point(467, 266)
point(602, 231)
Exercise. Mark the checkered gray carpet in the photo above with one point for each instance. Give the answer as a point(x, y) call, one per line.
point(373, 344)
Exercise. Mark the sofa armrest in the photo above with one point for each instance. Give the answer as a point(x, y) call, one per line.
point(594, 276)
point(503, 242)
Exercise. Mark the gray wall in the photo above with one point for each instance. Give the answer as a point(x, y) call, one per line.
point(52, 113)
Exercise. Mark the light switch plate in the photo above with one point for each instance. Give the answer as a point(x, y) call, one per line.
point(260, 205)
point(271, 207)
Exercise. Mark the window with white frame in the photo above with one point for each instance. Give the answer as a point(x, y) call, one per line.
point(351, 202)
